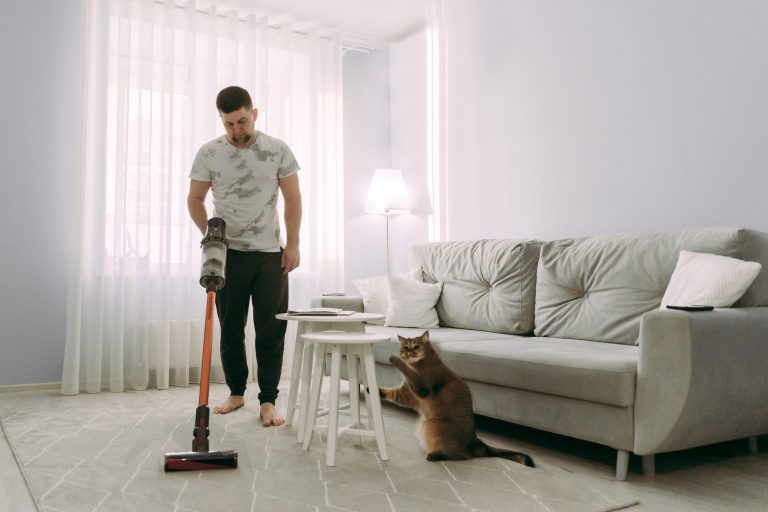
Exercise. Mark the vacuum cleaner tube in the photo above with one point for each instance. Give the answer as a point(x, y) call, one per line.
point(214, 255)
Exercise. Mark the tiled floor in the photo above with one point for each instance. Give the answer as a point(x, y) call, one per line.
point(104, 452)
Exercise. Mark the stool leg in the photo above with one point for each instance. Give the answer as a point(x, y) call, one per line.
point(354, 390)
point(314, 400)
point(368, 410)
point(298, 355)
point(333, 406)
point(306, 378)
point(373, 396)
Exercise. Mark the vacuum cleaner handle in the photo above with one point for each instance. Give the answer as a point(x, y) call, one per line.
point(212, 277)
point(205, 367)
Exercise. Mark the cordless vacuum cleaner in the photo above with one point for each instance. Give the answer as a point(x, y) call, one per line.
point(211, 278)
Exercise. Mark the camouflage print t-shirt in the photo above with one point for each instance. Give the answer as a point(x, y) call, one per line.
point(244, 186)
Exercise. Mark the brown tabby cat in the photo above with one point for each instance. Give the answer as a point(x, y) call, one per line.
point(444, 403)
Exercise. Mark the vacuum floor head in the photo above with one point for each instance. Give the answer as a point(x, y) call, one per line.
point(193, 461)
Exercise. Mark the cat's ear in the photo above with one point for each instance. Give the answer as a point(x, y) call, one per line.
point(425, 336)
point(400, 338)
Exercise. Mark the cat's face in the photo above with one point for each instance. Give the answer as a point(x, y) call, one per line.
point(413, 349)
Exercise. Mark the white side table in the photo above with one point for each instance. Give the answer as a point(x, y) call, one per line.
point(302, 362)
point(357, 346)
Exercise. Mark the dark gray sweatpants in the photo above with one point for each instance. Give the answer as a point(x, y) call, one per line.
point(253, 278)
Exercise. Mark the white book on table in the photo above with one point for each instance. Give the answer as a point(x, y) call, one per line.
point(320, 312)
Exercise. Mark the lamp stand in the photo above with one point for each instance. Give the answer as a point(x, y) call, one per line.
point(386, 239)
point(387, 195)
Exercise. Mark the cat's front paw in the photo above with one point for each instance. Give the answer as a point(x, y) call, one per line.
point(393, 359)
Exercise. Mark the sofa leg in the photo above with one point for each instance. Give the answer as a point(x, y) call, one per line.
point(649, 465)
point(622, 464)
point(752, 444)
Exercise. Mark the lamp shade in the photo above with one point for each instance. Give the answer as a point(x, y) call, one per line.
point(387, 194)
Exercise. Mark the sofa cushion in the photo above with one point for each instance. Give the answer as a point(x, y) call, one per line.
point(597, 288)
point(701, 278)
point(375, 293)
point(488, 285)
point(411, 303)
point(586, 370)
point(382, 351)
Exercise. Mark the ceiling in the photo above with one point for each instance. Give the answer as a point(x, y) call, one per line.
point(374, 21)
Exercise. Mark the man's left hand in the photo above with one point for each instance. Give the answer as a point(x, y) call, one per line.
point(290, 258)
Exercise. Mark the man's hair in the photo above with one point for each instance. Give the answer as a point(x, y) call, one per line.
point(233, 98)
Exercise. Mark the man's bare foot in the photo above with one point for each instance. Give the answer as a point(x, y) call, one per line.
point(269, 416)
point(234, 402)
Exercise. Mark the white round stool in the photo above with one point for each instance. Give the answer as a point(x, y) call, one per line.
point(356, 346)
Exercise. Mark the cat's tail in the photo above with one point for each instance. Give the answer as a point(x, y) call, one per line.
point(480, 449)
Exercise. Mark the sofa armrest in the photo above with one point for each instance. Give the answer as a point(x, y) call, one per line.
point(346, 302)
point(702, 378)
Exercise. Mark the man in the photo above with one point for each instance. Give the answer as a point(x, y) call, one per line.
point(244, 170)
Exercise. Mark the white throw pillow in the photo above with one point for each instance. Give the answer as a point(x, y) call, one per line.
point(374, 292)
point(411, 303)
point(708, 279)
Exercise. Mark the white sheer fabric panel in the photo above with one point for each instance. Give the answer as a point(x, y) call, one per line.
point(152, 73)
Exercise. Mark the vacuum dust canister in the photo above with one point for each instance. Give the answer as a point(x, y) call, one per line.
point(214, 255)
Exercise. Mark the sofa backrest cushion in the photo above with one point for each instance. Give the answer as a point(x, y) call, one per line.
point(597, 288)
point(488, 285)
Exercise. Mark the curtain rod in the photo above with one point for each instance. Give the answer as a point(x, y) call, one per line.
point(349, 42)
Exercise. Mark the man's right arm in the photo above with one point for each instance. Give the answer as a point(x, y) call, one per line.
point(196, 203)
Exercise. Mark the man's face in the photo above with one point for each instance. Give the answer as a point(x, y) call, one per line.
point(239, 125)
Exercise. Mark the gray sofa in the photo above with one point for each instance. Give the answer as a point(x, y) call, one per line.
point(567, 336)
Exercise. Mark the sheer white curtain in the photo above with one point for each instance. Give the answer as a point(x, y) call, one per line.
point(152, 71)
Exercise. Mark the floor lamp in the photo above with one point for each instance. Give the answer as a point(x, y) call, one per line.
point(387, 196)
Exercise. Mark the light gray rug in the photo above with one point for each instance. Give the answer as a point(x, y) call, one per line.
point(104, 452)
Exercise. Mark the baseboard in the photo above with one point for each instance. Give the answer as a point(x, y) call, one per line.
point(42, 386)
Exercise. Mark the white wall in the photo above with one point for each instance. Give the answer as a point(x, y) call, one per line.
point(39, 91)
point(367, 145)
point(384, 126)
point(408, 111)
point(572, 118)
